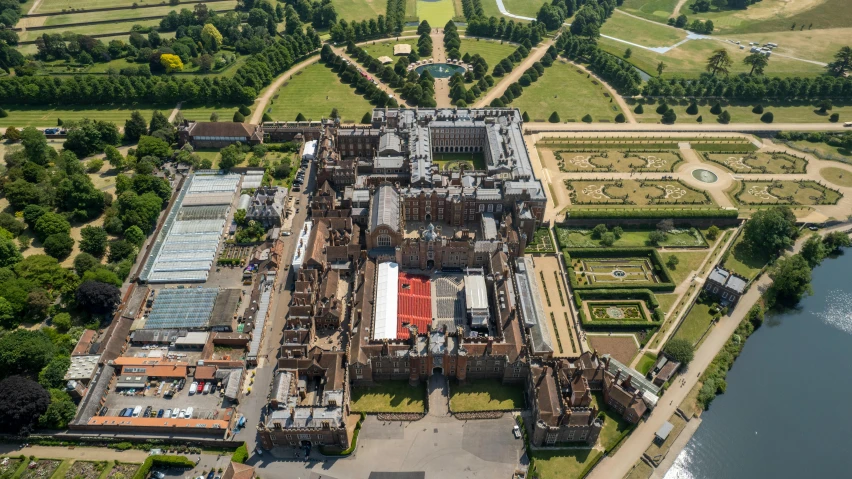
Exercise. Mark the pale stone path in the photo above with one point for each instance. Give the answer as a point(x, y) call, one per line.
point(439, 399)
point(546, 266)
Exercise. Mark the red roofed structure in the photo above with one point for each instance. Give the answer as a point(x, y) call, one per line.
point(415, 304)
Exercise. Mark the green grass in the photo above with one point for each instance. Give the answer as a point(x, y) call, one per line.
point(128, 15)
point(22, 116)
point(687, 263)
point(656, 10)
point(107, 469)
point(695, 323)
point(641, 32)
point(485, 395)
point(629, 238)
point(837, 176)
point(103, 28)
point(389, 396)
point(666, 301)
point(59, 5)
point(491, 50)
point(314, 93)
point(564, 464)
point(744, 262)
point(646, 362)
point(768, 16)
point(377, 50)
point(473, 160)
point(63, 469)
point(568, 91)
point(357, 10)
point(203, 112)
point(525, 8)
point(690, 59)
point(437, 13)
point(824, 150)
point(784, 112)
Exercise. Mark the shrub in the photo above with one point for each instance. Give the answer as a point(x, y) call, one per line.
point(639, 109)
point(554, 118)
point(716, 109)
point(620, 118)
point(767, 117)
point(240, 454)
point(123, 446)
point(724, 117)
point(587, 118)
point(834, 118)
point(692, 109)
point(238, 117)
point(669, 117)
point(244, 110)
point(699, 119)
point(680, 350)
point(662, 108)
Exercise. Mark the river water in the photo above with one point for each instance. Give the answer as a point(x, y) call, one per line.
point(787, 412)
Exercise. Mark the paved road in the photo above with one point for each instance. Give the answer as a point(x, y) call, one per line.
point(633, 448)
point(533, 127)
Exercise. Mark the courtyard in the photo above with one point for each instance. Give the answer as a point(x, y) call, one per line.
point(389, 397)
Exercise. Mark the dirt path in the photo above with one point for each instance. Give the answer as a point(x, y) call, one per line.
point(567, 343)
point(263, 100)
point(498, 89)
point(175, 112)
point(677, 8)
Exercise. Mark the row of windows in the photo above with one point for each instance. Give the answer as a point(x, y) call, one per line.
point(220, 138)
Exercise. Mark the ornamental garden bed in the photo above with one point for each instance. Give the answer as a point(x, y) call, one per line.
point(621, 311)
point(86, 470)
point(123, 471)
point(634, 192)
point(760, 163)
point(41, 469)
point(616, 160)
point(781, 192)
point(541, 242)
point(617, 268)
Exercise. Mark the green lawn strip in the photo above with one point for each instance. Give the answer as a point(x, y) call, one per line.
point(23, 116)
point(49, 6)
point(687, 263)
point(97, 29)
point(695, 324)
point(666, 301)
point(127, 14)
point(314, 92)
point(656, 10)
point(485, 395)
point(389, 396)
point(62, 469)
point(474, 160)
point(524, 8)
point(646, 362)
point(573, 463)
point(784, 112)
point(107, 469)
point(357, 10)
point(742, 261)
point(568, 91)
point(615, 427)
point(823, 150)
point(385, 49)
point(437, 13)
point(203, 112)
point(491, 50)
point(577, 238)
point(641, 32)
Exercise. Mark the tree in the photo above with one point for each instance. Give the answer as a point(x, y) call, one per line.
point(158, 122)
point(60, 412)
point(767, 117)
point(712, 232)
point(554, 118)
point(97, 297)
point(824, 106)
point(681, 21)
point(587, 118)
point(836, 240)
point(62, 323)
point(49, 224)
point(301, 117)
point(525, 117)
point(93, 240)
point(368, 118)
point(619, 118)
point(757, 62)
point(724, 117)
point(660, 67)
point(231, 156)
point(607, 239)
point(134, 235)
point(113, 157)
point(672, 262)
point(52, 375)
point(757, 109)
point(791, 281)
point(719, 62)
point(58, 245)
point(214, 117)
point(770, 230)
point(120, 249)
point(12, 134)
point(692, 109)
point(617, 231)
point(814, 250)
point(669, 117)
point(25, 352)
point(834, 118)
point(598, 231)
point(240, 217)
point(639, 109)
point(842, 62)
point(210, 37)
point(154, 147)
point(424, 28)
point(10, 254)
point(656, 237)
point(172, 63)
point(334, 114)
point(628, 53)
point(238, 117)
point(22, 402)
point(134, 127)
point(680, 350)
point(716, 108)
point(755, 315)
point(35, 145)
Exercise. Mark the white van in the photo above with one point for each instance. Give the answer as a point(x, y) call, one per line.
point(167, 414)
point(175, 412)
point(188, 414)
point(136, 411)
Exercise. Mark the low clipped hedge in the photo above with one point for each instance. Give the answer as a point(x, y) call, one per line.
point(666, 283)
point(657, 315)
point(331, 452)
point(652, 213)
point(162, 461)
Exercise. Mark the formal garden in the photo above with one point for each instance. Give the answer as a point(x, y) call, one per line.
point(760, 163)
point(620, 311)
point(619, 237)
point(634, 192)
point(616, 161)
point(601, 271)
point(783, 192)
point(541, 242)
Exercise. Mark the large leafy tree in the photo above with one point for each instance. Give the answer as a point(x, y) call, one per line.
point(9, 252)
point(135, 127)
point(97, 297)
point(59, 245)
point(52, 376)
point(60, 412)
point(42, 271)
point(78, 194)
point(842, 62)
point(94, 240)
point(791, 281)
point(51, 223)
point(35, 145)
point(770, 230)
point(152, 146)
point(25, 352)
point(680, 350)
point(757, 62)
point(719, 62)
point(91, 136)
point(22, 402)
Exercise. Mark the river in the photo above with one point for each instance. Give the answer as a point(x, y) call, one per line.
point(786, 412)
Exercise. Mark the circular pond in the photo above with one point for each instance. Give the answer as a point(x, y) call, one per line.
point(440, 70)
point(705, 176)
point(619, 273)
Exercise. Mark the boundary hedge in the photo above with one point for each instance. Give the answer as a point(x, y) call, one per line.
point(352, 446)
point(666, 283)
point(162, 460)
point(652, 213)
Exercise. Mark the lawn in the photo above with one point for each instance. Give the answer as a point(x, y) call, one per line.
point(453, 161)
point(760, 163)
point(784, 112)
point(22, 116)
point(646, 362)
point(570, 92)
point(635, 192)
point(837, 176)
point(579, 238)
point(687, 263)
point(203, 112)
point(786, 193)
point(127, 15)
point(744, 262)
point(641, 32)
point(313, 92)
point(357, 10)
point(779, 15)
point(491, 50)
point(524, 8)
point(567, 463)
point(690, 59)
point(379, 49)
point(614, 425)
point(485, 395)
point(436, 12)
point(389, 396)
point(666, 301)
point(695, 323)
point(115, 27)
point(60, 5)
point(824, 150)
point(656, 10)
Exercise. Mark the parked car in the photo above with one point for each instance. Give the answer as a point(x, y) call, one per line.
point(128, 412)
point(158, 475)
point(516, 431)
point(103, 411)
point(207, 388)
point(258, 451)
point(160, 413)
point(167, 414)
point(137, 411)
point(182, 414)
point(121, 413)
point(181, 384)
point(175, 412)
point(210, 475)
point(147, 411)
point(192, 388)
point(200, 387)
point(188, 414)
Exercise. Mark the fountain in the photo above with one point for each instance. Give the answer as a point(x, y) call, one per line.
point(440, 70)
point(704, 176)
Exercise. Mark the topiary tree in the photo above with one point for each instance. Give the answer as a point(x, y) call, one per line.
point(554, 118)
point(680, 350)
point(238, 117)
point(767, 117)
point(525, 117)
point(245, 110)
point(757, 109)
point(699, 119)
point(639, 109)
point(367, 118)
point(669, 117)
point(724, 117)
point(301, 117)
point(3, 113)
point(716, 109)
point(662, 108)
point(620, 118)
point(834, 118)
point(587, 118)
point(712, 232)
point(692, 109)
point(266, 117)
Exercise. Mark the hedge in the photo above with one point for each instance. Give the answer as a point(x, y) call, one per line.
point(652, 213)
point(164, 461)
point(666, 284)
point(352, 446)
point(240, 455)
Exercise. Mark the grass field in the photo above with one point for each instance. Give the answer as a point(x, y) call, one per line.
point(314, 93)
point(127, 15)
point(485, 395)
point(474, 161)
point(784, 112)
point(824, 150)
point(491, 50)
point(48, 6)
point(819, 45)
point(744, 262)
point(565, 463)
point(568, 91)
point(389, 396)
point(377, 49)
point(656, 10)
point(695, 323)
point(357, 10)
point(760, 163)
point(779, 15)
point(576, 238)
point(641, 32)
point(837, 176)
point(103, 28)
point(529, 8)
point(646, 362)
point(690, 59)
point(203, 112)
point(687, 263)
point(436, 12)
point(21, 116)
point(666, 301)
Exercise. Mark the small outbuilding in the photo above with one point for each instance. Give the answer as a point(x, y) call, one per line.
point(385, 60)
point(663, 432)
point(401, 49)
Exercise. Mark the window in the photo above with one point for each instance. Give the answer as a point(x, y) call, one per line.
point(551, 438)
point(490, 208)
point(499, 208)
point(496, 370)
point(724, 295)
point(481, 208)
point(383, 240)
point(715, 290)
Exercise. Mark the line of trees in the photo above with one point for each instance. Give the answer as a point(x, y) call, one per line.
point(750, 87)
point(349, 74)
point(530, 76)
point(620, 74)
